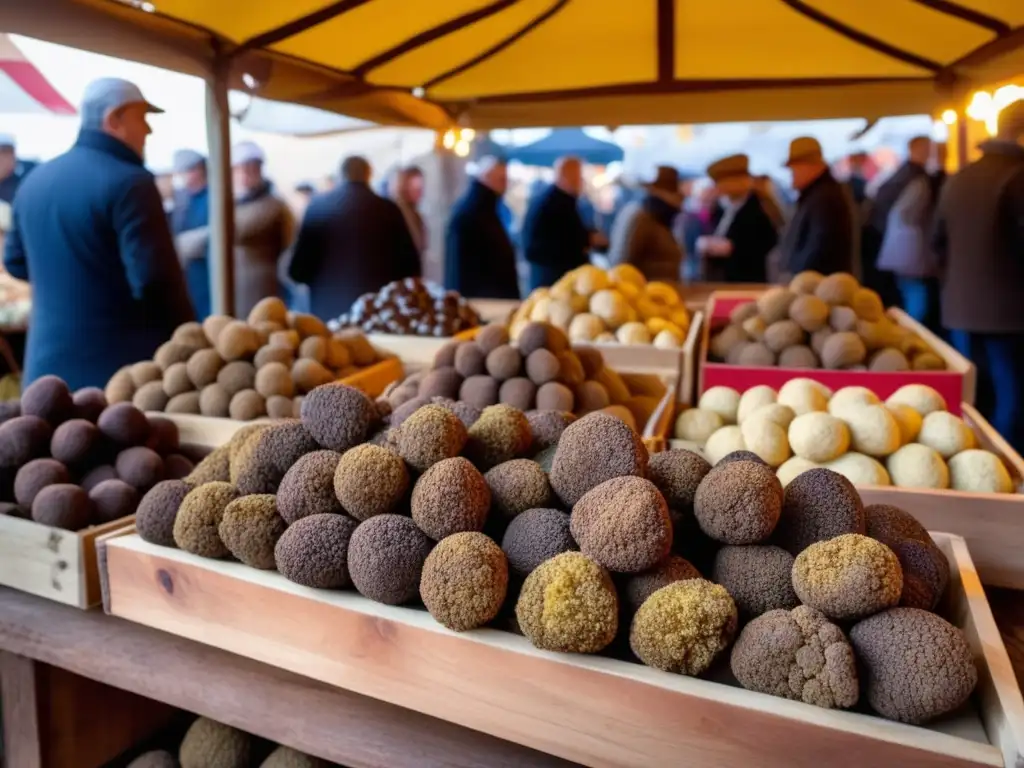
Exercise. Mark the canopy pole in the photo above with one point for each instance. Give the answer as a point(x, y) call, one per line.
point(218, 166)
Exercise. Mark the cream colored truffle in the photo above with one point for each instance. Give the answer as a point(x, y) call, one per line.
point(918, 466)
point(723, 442)
point(753, 399)
point(804, 396)
point(837, 288)
point(909, 420)
point(773, 304)
point(848, 396)
point(810, 312)
point(946, 433)
point(697, 425)
point(633, 333)
point(920, 397)
point(980, 472)
point(818, 436)
point(792, 468)
point(611, 307)
point(806, 282)
point(775, 413)
point(668, 339)
point(767, 439)
point(873, 430)
point(585, 327)
point(860, 469)
point(725, 401)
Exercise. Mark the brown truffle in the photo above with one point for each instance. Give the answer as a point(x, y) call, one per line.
point(140, 467)
point(555, 397)
point(236, 376)
point(738, 502)
point(89, 403)
point(755, 355)
point(313, 551)
point(407, 409)
point(314, 348)
point(848, 577)
point(97, 475)
point(500, 434)
point(590, 359)
point(799, 356)
point(592, 450)
point(163, 435)
point(759, 578)
point(819, 504)
point(35, 476)
point(504, 362)
point(270, 309)
point(247, 405)
point(441, 382)
point(237, 341)
point(542, 366)
point(519, 393)
point(642, 585)
point(677, 474)
point(288, 339)
point(534, 536)
point(112, 500)
point(430, 435)
point(24, 438)
point(491, 336)
point(450, 497)
point(270, 354)
point(464, 581)
point(198, 520)
point(547, 427)
point(307, 488)
point(386, 556)
point(214, 401)
point(142, 373)
point(275, 450)
point(187, 402)
point(274, 379)
point(202, 368)
point(536, 336)
point(309, 374)
point(517, 486)
point(208, 743)
point(370, 480)
point(445, 356)
point(250, 527)
point(338, 416)
point(175, 382)
point(171, 352)
point(62, 506)
point(124, 424)
point(925, 567)
point(74, 441)
point(213, 325)
point(190, 335)
point(470, 360)
point(280, 407)
point(120, 388)
point(213, 467)
point(809, 312)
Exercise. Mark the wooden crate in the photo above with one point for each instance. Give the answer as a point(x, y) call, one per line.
point(956, 384)
point(51, 562)
point(590, 709)
point(415, 352)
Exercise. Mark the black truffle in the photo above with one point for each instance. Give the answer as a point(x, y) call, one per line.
point(22, 439)
point(163, 435)
point(450, 497)
point(925, 567)
point(535, 536)
point(470, 360)
point(501, 434)
point(140, 467)
point(338, 416)
point(738, 503)
point(819, 504)
point(196, 526)
point(547, 427)
point(154, 518)
point(677, 474)
point(124, 424)
point(479, 391)
point(592, 450)
point(177, 467)
point(313, 551)
point(97, 475)
point(250, 528)
point(430, 435)
point(35, 476)
point(62, 506)
point(74, 441)
point(307, 488)
point(640, 586)
point(49, 398)
point(741, 456)
point(517, 486)
point(441, 382)
point(89, 403)
point(112, 500)
point(370, 480)
point(385, 557)
point(758, 578)
point(273, 453)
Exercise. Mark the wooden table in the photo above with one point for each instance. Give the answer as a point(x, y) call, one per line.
point(79, 687)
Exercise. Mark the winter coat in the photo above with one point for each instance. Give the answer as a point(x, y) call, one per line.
point(820, 234)
point(91, 237)
point(979, 238)
point(639, 237)
point(351, 242)
point(906, 246)
point(555, 240)
point(480, 262)
point(753, 236)
point(192, 211)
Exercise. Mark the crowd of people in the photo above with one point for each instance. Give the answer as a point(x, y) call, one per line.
point(114, 270)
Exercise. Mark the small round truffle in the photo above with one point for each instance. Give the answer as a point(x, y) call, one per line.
point(140, 467)
point(887, 360)
point(385, 557)
point(570, 369)
point(920, 397)
point(274, 379)
point(209, 743)
point(678, 474)
point(214, 401)
point(809, 312)
point(170, 353)
point(535, 536)
point(568, 604)
point(450, 497)
point(542, 366)
point(213, 325)
point(851, 397)
point(203, 367)
point(176, 381)
point(730, 337)
point(641, 586)
point(947, 434)
point(724, 401)
point(123, 424)
point(909, 421)
point(187, 402)
point(97, 475)
point(838, 288)
point(89, 403)
point(555, 396)
point(501, 434)
point(797, 654)
point(591, 396)
point(154, 759)
point(36, 475)
point(849, 577)
point(198, 520)
point(237, 341)
point(592, 450)
point(74, 441)
point(250, 527)
point(441, 382)
point(860, 469)
point(547, 426)
point(309, 374)
point(798, 356)
point(874, 431)
point(818, 436)
point(112, 500)
point(682, 627)
point(177, 466)
point(916, 665)
point(313, 551)
point(464, 581)
point(766, 438)
point(723, 442)
point(517, 486)
point(773, 305)
point(753, 399)
point(430, 435)
point(280, 407)
point(283, 757)
point(738, 502)
point(491, 336)
point(163, 435)
point(480, 391)
point(804, 396)
point(307, 488)
point(237, 376)
point(806, 282)
point(150, 397)
point(792, 468)
point(157, 510)
point(143, 373)
point(755, 356)
point(918, 466)
point(979, 471)
point(338, 416)
point(741, 455)
point(62, 506)
point(819, 504)
point(843, 350)
point(782, 334)
point(697, 425)
point(370, 480)
point(504, 362)
point(269, 354)
point(120, 388)
point(759, 578)
point(470, 360)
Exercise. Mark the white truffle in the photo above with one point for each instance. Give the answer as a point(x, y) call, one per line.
point(918, 466)
point(980, 472)
point(697, 425)
point(776, 413)
point(633, 333)
point(723, 442)
point(753, 399)
point(908, 419)
point(819, 437)
point(585, 327)
point(920, 397)
point(848, 396)
point(873, 430)
point(946, 433)
point(792, 468)
point(804, 396)
point(860, 469)
point(667, 339)
point(725, 401)
point(767, 439)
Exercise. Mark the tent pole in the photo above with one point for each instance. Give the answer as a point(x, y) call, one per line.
point(222, 210)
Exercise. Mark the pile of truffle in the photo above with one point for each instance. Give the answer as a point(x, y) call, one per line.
point(616, 306)
point(242, 369)
point(805, 425)
point(540, 370)
point(410, 306)
point(71, 461)
point(821, 322)
point(209, 744)
point(569, 532)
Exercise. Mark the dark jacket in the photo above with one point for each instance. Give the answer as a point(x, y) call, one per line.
point(890, 192)
point(820, 234)
point(554, 237)
point(642, 236)
point(9, 185)
point(480, 262)
point(351, 242)
point(753, 236)
point(979, 239)
point(91, 237)
point(191, 212)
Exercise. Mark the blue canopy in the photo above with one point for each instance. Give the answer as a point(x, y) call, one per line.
point(566, 141)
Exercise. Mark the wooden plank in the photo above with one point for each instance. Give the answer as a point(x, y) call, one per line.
point(617, 713)
point(954, 360)
point(310, 716)
point(415, 352)
point(23, 743)
point(494, 310)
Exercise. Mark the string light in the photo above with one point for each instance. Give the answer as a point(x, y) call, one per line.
point(462, 148)
point(449, 139)
point(985, 107)
point(949, 117)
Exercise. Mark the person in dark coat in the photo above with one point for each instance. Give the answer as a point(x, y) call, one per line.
point(554, 237)
point(351, 242)
point(979, 240)
point(642, 232)
point(820, 234)
point(743, 236)
point(480, 262)
point(192, 212)
point(91, 237)
point(12, 170)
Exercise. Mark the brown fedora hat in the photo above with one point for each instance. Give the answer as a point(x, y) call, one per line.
point(805, 149)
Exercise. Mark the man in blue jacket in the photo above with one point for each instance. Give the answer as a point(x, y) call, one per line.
point(91, 237)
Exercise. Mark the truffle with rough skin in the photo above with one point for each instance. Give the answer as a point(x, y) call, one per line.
point(36, 475)
point(979, 471)
point(97, 475)
point(918, 466)
point(920, 397)
point(140, 467)
point(470, 360)
point(313, 551)
point(797, 654)
point(466, 412)
point(154, 759)
point(275, 450)
point(535, 536)
point(741, 455)
point(22, 439)
point(738, 502)
point(203, 367)
point(338, 416)
point(247, 405)
point(309, 374)
point(641, 586)
point(187, 402)
point(407, 409)
point(925, 568)
point(237, 376)
point(502, 433)
point(849, 577)
point(678, 474)
point(214, 401)
point(250, 527)
point(142, 373)
point(568, 604)
point(555, 396)
point(237, 341)
point(504, 362)
point(240, 448)
point(112, 500)
point(682, 627)
point(594, 449)
point(89, 403)
point(370, 480)
point(450, 497)
point(123, 424)
point(773, 304)
point(723, 442)
point(284, 757)
point(947, 434)
point(385, 558)
point(198, 520)
point(464, 581)
point(74, 441)
point(158, 510)
point(547, 426)
point(809, 312)
point(517, 486)
point(819, 504)
point(759, 578)
point(915, 665)
point(209, 744)
point(542, 366)
point(62, 506)
point(430, 435)
point(307, 488)
point(818, 436)
point(623, 524)
point(176, 381)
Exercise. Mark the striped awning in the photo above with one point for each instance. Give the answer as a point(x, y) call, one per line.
point(23, 89)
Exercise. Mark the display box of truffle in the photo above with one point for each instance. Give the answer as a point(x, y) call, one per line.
point(956, 383)
point(593, 710)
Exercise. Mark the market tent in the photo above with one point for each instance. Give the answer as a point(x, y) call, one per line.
point(23, 89)
point(567, 141)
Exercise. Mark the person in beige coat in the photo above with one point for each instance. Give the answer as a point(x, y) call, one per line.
point(642, 232)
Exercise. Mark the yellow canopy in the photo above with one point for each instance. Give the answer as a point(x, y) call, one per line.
point(506, 63)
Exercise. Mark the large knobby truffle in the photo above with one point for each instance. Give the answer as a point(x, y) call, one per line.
point(592, 450)
point(209, 744)
point(501, 434)
point(62, 506)
point(430, 435)
point(848, 577)
point(450, 497)
point(517, 486)
point(250, 528)
point(370, 480)
point(338, 416)
point(157, 511)
point(385, 558)
point(313, 551)
point(535, 536)
point(307, 488)
point(819, 504)
point(464, 581)
point(198, 519)
point(642, 585)
point(925, 567)
point(759, 578)
point(275, 450)
point(738, 502)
